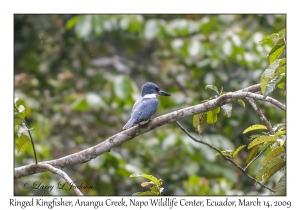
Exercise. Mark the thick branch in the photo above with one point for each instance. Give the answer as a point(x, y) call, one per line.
point(219, 151)
point(117, 139)
point(60, 173)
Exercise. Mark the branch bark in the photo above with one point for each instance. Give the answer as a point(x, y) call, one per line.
point(60, 173)
point(119, 138)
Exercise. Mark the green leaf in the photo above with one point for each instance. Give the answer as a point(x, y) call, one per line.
point(18, 120)
point(282, 61)
point(227, 108)
point(276, 50)
point(262, 139)
point(20, 112)
point(270, 37)
point(241, 102)
point(147, 193)
point(273, 170)
point(267, 168)
point(212, 116)
point(267, 75)
point(196, 121)
point(274, 153)
point(72, 21)
point(252, 137)
point(252, 154)
point(278, 133)
point(202, 119)
point(281, 33)
point(280, 70)
point(199, 122)
point(80, 104)
point(147, 176)
point(272, 84)
point(280, 188)
point(281, 85)
point(22, 143)
point(255, 127)
point(155, 190)
point(21, 115)
point(235, 152)
point(212, 87)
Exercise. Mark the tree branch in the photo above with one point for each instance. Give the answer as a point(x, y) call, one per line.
point(60, 173)
point(219, 151)
point(261, 115)
point(119, 138)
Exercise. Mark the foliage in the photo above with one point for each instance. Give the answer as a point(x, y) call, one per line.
point(81, 74)
point(23, 132)
point(275, 160)
point(211, 116)
point(155, 189)
point(275, 75)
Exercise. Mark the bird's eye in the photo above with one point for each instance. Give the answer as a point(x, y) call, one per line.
point(157, 89)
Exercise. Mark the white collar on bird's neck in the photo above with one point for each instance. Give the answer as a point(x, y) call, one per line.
point(153, 95)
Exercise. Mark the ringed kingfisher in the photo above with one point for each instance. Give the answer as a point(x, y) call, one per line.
point(145, 107)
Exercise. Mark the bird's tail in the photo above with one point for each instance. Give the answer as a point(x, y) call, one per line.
point(129, 124)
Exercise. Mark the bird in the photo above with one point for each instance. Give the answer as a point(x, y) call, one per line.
point(145, 107)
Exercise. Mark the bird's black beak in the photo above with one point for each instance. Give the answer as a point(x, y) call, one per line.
point(163, 93)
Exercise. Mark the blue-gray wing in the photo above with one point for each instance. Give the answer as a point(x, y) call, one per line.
point(144, 109)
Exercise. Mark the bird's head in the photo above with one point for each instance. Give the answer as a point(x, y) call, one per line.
point(151, 90)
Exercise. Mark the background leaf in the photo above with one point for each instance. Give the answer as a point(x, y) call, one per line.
point(255, 127)
point(212, 87)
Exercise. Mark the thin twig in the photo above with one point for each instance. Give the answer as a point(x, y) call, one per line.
point(219, 151)
point(60, 173)
point(31, 139)
point(254, 159)
point(261, 115)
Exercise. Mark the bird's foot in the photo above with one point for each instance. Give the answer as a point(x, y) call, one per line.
point(145, 123)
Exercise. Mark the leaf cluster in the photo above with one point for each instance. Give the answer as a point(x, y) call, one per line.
point(211, 116)
point(275, 160)
point(23, 140)
point(155, 183)
point(275, 75)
